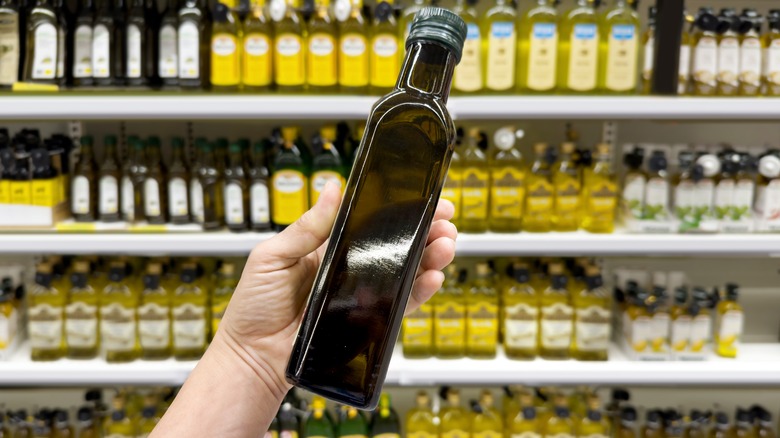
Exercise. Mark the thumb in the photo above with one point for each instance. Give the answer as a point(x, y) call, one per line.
point(310, 231)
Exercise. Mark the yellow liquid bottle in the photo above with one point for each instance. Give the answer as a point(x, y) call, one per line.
point(638, 318)
point(648, 51)
point(728, 53)
point(743, 425)
point(538, 48)
point(118, 321)
point(420, 420)
point(327, 166)
point(680, 325)
point(592, 318)
point(721, 427)
point(559, 424)
point(653, 427)
point(455, 421)
point(507, 191)
point(474, 211)
point(227, 280)
point(730, 322)
point(704, 62)
point(539, 193)
point(353, 46)
point(771, 44)
point(626, 423)
point(468, 73)
point(417, 334)
point(525, 422)
point(619, 49)
point(555, 325)
point(289, 47)
point(450, 316)
point(600, 194)
point(566, 186)
point(189, 314)
point(486, 422)
point(482, 315)
point(751, 51)
point(321, 50)
point(45, 315)
point(578, 50)
point(150, 416)
point(289, 182)
point(225, 49)
point(81, 315)
point(384, 57)
point(499, 45)
point(633, 187)
point(119, 424)
point(684, 71)
point(256, 49)
point(521, 315)
point(453, 185)
point(405, 20)
point(154, 316)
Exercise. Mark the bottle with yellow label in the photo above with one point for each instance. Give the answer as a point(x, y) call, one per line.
point(81, 315)
point(578, 50)
point(453, 185)
point(45, 316)
point(559, 424)
point(486, 422)
point(225, 50)
point(566, 187)
point(83, 193)
point(384, 58)
point(289, 48)
point(728, 52)
point(118, 320)
point(499, 43)
point(455, 420)
point(521, 315)
point(729, 323)
point(450, 315)
point(189, 313)
point(417, 335)
point(318, 423)
point(321, 50)
point(327, 166)
point(468, 73)
point(289, 183)
point(600, 194)
point(154, 316)
point(771, 43)
point(555, 325)
point(704, 63)
point(352, 423)
point(648, 51)
point(45, 179)
point(538, 48)
point(353, 46)
point(539, 192)
point(751, 51)
point(227, 280)
point(619, 48)
point(475, 194)
point(7, 163)
point(420, 420)
point(482, 315)
point(257, 49)
point(507, 178)
point(592, 318)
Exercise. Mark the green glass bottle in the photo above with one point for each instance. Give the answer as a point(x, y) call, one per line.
point(82, 44)
point(327, 166)
point(259, 194)
point(137, 47)
point(133, 179)
point(289, 183)
point(10, 22)
point(318, 423)
point(385, 422)
point(236, 190)
point(108, 185)
point(189, 313)
point(178, 177)
point(43, 34)
point(83, 188)
point(155, 193)
point(168, 44)
point(207, 200)
point(194, 36)
point(352, 423)
point(104, 41)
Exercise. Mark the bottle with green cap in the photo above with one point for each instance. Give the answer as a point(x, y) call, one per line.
point(236, 190)
point(343, 351)
point(178, 178)
point(108, 183)
point(155, 195)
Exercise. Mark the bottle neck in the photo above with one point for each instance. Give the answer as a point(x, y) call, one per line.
point(110, 152)
point(178, 154)
point(427, 71)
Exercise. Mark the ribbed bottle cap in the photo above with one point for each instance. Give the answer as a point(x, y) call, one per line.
point(440, 25)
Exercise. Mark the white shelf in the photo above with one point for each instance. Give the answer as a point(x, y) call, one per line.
point(200, 106)
point(757, 365)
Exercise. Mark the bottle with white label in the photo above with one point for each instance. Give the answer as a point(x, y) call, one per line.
point(137, 47)
point(193, 38)
point(578, 54)
point(634, 184)
point(322, 51)
point(10, 22)
point(680, 323)
point(704, 193)
point(521, 315)
point(178, 178)
point(726, 185)
point(189, 316)
point(327, 165)
point(289, 183)
point(154, 316)
point(109, 179)
point(289, 48)
point(81, 315)
point(751, 51)
point(118, 320)
point(538, 48)
point(728, 52)
point(353, 46)
point(64, 19)
point(256, 56)
point(45, 316)
point(154, 189)
point(259, 193)
point(704, 62)
point(82, 44)
point(83, 193)
point(619, 49)
point(499, 39)
point(767, 203)
point(132, 185)
point(592, 318)
point(556, 320)
point(236, 195)
point(730, 322)
point(468, 76)
point(209, 203)
point(701, 323)
point(43, 33)
point(648, 51)
point(656, 200)
point(168, 45)
point(103, 45)
point(771, 55)
point(384, 47)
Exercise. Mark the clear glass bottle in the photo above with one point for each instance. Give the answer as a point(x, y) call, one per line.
point(289, 181)
point(600, 194)
point(118, 319)
point(476, 186)
point(704, 44)
point(728, 52)
point(592, 318)
point(619, 48)
point(578, 49)
point(507, 179)
point(45, 316)
point(421, 422)
point(154, 316)
point(327, 165)
point(566, 187)
point(482, 315)
point(556, 321)
point(468, 73)
point(81, 315)
point(771, 44)
point(730, 322)
point(225, 50)
point(189, 313)
point(499, 44)
point(455, 420)
point(521, 315)
point(539, 192)
point(538, 48)
point(227, 280)
point(83, 188)
point(133, 180)
point(450, 316)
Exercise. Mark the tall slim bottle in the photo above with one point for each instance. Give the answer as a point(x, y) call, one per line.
point(391, 196)
point(353, 47)
point(326, 166)
point(289, 182)
point(108, 185)
point(499, 43)
point(539, 192)
point(42, 43)
point(137, 48)
point(566, 187)
point(168, 45)
point(256, 53)
point(453, 185)
point(476, 186)
point(384, 61)
point(155, 184)
point(751, 51)
point(728, 52)
point(321, 50)
point(154, 316)
point(289, 48)
point(194, 36)
point(578, 51)
point(82, 44)
point(259, 194)
point(45, 316)
point(118, 320)
point(178, 178)
point(704, 61)
point(619, 48)
point(225, 50)
point(118, 48)
point(83, 191)
point(468, 76)
point(133, 178)
point(507, 189)
point(81, 315)
point(771, 70)
point(10, 41)
point(236, 196)
point(210, 194)
point(538, 48)
point(104, 34)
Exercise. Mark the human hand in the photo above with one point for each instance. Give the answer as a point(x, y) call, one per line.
point(265, 311)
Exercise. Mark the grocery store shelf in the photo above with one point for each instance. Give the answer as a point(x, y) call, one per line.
point(202, 106)
point(757, 365)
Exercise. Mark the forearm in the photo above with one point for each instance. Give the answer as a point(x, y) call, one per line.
point(225, 396)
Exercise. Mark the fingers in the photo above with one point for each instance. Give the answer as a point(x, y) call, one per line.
point(444, 210)
point(442, 228)
point(424, 288)
point(438, 254)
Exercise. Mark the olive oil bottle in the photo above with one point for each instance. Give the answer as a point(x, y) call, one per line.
point(417, 332)
point(578, 50)
point(149, 415)
point(256, 53)
point(626, 423)
point(619, 48)
point(155, 196)
point(327, 166)
point(453, 185)
point(118, 320)
point(750, 53)
point(420, 420)
point(476, 186)
point(455, 420)
point(656, 202)
point(634, 185)
point(566, 187)
point(525, 421)
point(289, 183)
point(704, 43)
point(594, 423)
point(133, 183)
point(560, 424)
point(259, 194)
point(729, 325)
point(225, 50)
point(468, 74)
point(194, 38)
point(353, 47)
point(684, 70)
point(289, 50)
point(81, 315)
point(653, 427)
point(106, 31)
point(384, 58)
point(318, 423)
point(83, 191)
point(352, 423)
point(592, 318)
point(600, 194)
point(189, 313)
point(108, 183)
point(321, 50)
point(407, 15)
point(227, 280)
point(449, 324)
point(539, 192)
point(507, 179)
point(154, 316)
point(555, 325)
point(482, 315)
point(10, 32)
point(236, 190)
point(178, 177)
point(137, 48)
point(538, 48)
point(648, 51)
point(82, 44)
point(728, 53)
point(499, 43)
point(119, 424)
point(521, 315)
point(486, 422)
point(771, 43)
point(207, 196)
point(168, 44)
point(43, 33)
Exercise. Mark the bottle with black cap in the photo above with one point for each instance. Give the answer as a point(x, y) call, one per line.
point(486, 421)
point(449, 324)
point(653, 427)
point(556, 316)
point(592, 318)
point(704, 70)
point(673, 424)
point(743, 424)
point(680, 326)
point(118, 322)
point(730, 322)
point(726, 182)
point(764, 427)
point(321, 50)
point(559, 423)
point(728, 52)
point(741, 206)
point(720, 428)
point(154, 320)
point(149, 415)
point(701, 322)
point(521, 315)
point(384, 60)
point(61, 427)
point(225, 51)
point(656, 202)
point(81, 315)
point(190, 316)
point(697, 426)
point(45, 179)
point(750, 53)
point(767, 203)
point(594, 423)
point(771, 43)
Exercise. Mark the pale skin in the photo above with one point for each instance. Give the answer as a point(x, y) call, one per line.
point(238, 385)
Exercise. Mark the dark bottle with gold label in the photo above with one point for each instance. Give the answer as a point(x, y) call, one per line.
point(343, 350)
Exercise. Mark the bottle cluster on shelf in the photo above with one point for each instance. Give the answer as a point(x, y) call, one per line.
point(123, 309)
point(494, 189)
point(689, 325)
point(548, 312)
point(132, 414)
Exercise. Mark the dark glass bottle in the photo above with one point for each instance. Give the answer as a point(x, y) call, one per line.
point(385, 422)
point(108, 185)
point(83, 190)
point(178, 178)
point(151, 45)
point(10, 30)
point(343, 350)
point(42, 44)
point(64, 56)
point(103, 36)
point(194, 35)
point(137, 53)
point(82, 44)
point(236, 190)
point(259, 195)
point(138, 174)
point(119, 42)
point(155, 193)
point(167, 45)
point(210, 180)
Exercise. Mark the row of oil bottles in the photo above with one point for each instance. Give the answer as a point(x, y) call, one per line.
point(121, 309)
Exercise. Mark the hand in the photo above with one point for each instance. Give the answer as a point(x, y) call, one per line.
point(263, 316)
